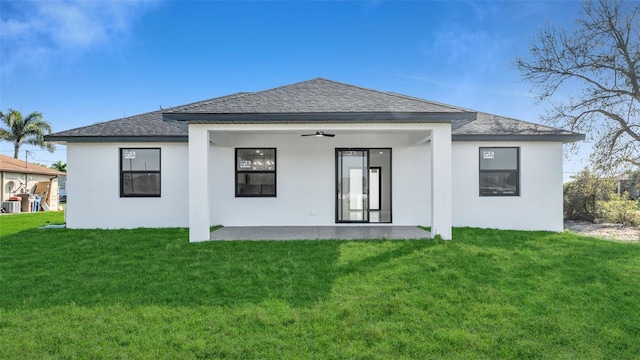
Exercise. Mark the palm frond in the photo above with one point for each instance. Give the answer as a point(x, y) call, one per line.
point(25, 130)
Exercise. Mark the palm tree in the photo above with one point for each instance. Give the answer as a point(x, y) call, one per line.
point(60, 166)
point(29, 130)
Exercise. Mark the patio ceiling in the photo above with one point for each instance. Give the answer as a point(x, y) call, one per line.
point(415, 135)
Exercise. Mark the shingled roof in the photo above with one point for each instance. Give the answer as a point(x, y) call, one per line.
point(488, 127)
point(316, 96)
point(144, 125)
point(313, 101)
point(135, 128)
point(9, 164)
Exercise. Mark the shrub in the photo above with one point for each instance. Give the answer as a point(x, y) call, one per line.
point(619, 210)
point(581, 196)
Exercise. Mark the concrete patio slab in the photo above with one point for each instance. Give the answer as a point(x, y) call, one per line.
point(319, 233)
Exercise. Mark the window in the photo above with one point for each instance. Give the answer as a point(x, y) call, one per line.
point(255, 172)
point(500, 171)
point(139, 172)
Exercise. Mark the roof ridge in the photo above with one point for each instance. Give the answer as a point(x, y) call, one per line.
point(212, 100)
point(477, 111)
point(319, 96)
point(241, 94)
point(391, 93)
point(431, 101)
point(152, 112)
point(110, 121)
point(522, 121)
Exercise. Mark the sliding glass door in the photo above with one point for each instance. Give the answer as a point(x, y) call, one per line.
point(352, 185)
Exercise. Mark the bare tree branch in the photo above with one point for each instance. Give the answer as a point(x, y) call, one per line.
point(598, 63)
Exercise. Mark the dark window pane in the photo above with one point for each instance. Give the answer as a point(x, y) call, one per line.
point(256, 172)
point(256, 184)
point(140, 172)
point(498, 159)
point(140, 184)
point(498, 183)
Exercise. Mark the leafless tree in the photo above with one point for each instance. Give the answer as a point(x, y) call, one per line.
point(590, 75)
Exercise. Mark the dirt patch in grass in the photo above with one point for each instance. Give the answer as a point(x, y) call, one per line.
point(608, 231)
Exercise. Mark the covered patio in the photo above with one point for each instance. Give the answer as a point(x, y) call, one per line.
point(314, 181)
point(421, 168)
point(320, 233)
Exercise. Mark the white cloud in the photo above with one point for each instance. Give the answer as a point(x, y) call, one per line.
point(37, 31)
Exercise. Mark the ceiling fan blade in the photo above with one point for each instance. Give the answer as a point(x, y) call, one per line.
point(319, 133)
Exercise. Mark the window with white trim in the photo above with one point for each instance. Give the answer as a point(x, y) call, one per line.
point(499, 171)
point(139, 172)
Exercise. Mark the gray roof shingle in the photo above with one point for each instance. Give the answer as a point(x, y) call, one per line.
point(149, 124)
point(315, 96)
point(488, 126)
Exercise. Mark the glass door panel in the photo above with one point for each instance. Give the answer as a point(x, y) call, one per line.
point(352, 185)
point(374, 188)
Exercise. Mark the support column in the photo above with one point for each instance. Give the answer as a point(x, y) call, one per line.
point(198, 183)
point(441, 179)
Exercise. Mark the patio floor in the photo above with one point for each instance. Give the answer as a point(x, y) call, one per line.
point(319, 233)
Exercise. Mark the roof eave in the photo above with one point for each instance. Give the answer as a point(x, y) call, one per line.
point(328, 117)
point(564, 138)
point(31, 171)
point(107, 139)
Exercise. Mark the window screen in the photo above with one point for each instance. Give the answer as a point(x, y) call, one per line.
point(139, 172)
point(500, 171)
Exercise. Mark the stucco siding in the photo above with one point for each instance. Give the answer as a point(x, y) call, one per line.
point(306, 193)
point(93, 188)
point(539, 206)
point(306, 183)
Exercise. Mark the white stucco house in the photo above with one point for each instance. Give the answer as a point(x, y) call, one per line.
point(315, 153)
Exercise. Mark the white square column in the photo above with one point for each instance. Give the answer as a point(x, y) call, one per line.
point(198, 183)
point(441, 181)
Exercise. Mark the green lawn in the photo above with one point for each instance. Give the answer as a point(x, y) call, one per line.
point(149, 294)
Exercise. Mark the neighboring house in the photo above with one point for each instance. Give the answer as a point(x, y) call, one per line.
point(244, 160)
point(626, 184)
point(20, 177)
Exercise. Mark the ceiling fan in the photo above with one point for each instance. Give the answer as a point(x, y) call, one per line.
point(319, 134)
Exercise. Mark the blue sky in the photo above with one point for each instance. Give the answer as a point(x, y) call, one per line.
point(82, 62)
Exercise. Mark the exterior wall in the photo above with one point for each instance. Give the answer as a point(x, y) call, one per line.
point(31, 180)
point(306, 183)
point(539, 206)
point(306, 193)
point(93, 188)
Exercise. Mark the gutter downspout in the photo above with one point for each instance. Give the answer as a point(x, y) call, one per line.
point(1, 186)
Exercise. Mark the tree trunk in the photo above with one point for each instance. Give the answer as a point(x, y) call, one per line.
point(16, 151)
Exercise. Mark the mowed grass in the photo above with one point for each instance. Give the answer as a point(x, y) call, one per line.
point(149, 294)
